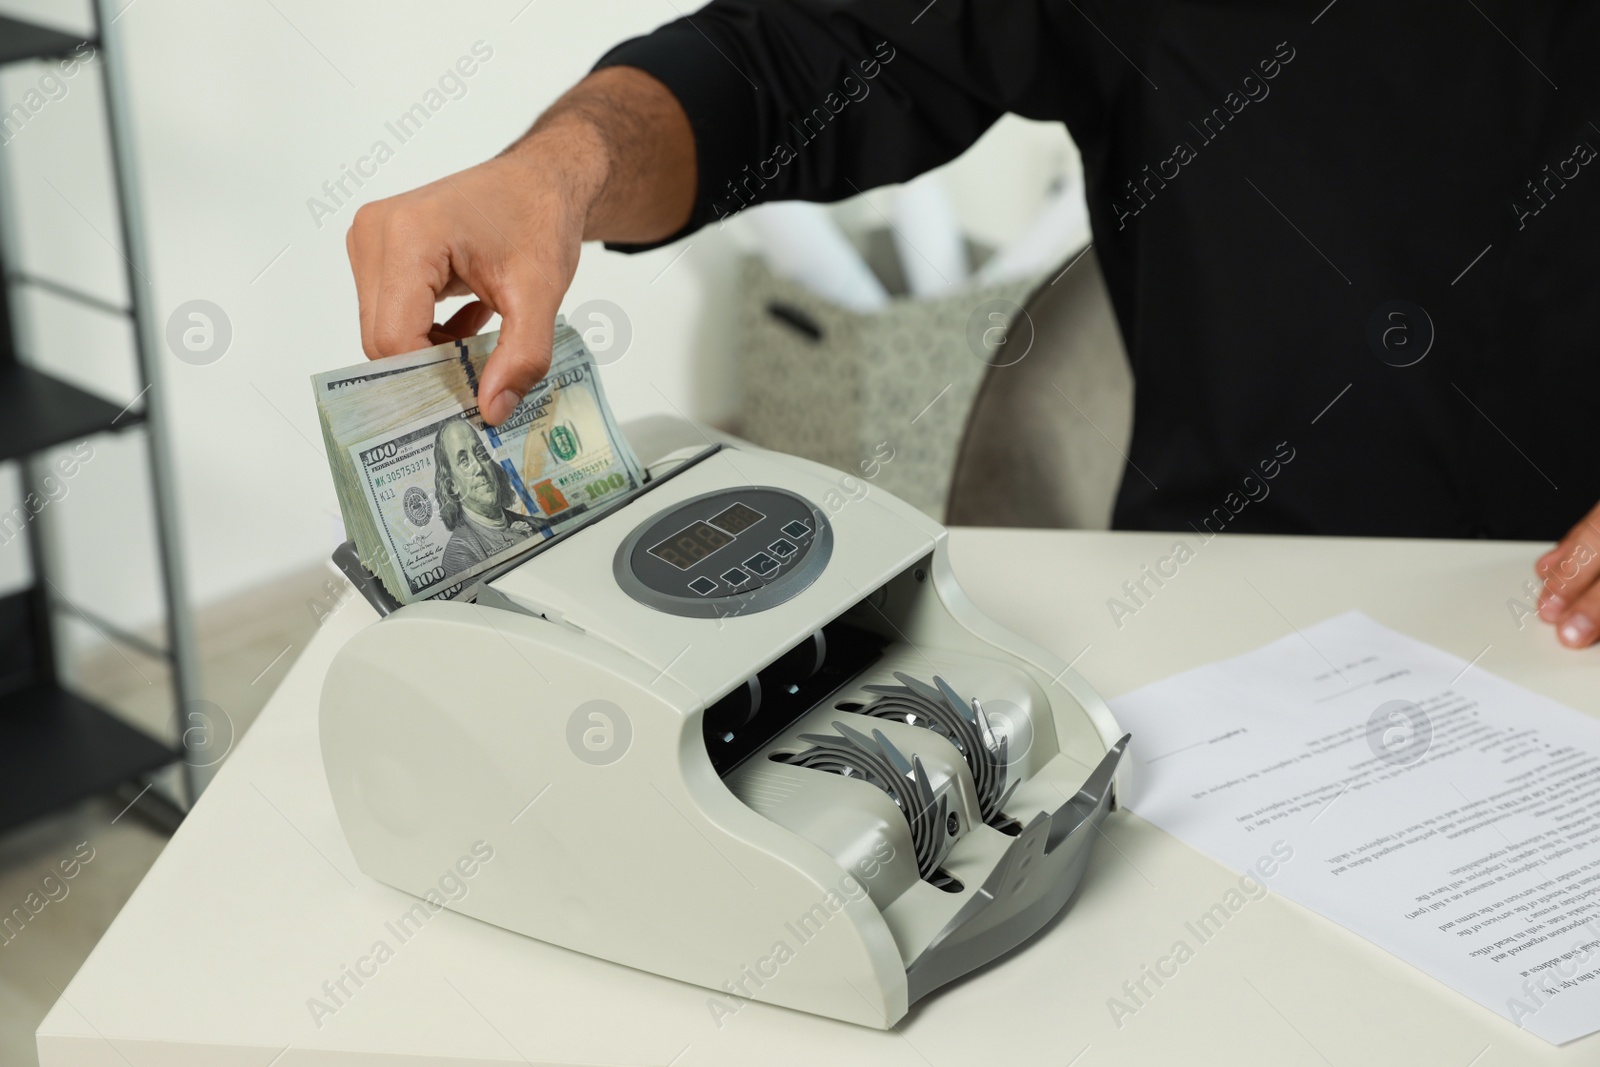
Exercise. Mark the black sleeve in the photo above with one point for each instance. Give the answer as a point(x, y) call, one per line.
point(822, 99)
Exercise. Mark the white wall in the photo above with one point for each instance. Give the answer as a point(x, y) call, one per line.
point(243, 110)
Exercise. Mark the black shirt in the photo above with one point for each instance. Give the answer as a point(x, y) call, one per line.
point(1362, 235)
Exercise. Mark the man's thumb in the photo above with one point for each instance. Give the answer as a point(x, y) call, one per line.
point(518, 362)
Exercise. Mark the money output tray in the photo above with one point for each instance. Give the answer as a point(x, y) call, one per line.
point(744, 730)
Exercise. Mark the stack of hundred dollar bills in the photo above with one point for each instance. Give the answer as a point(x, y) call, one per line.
point(432, 496)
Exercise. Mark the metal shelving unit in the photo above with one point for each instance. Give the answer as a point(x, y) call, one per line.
point(56, 746)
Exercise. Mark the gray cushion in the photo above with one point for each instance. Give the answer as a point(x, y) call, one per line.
point(1046, 440)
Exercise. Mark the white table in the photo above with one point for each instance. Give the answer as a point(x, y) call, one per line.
point(257, 901)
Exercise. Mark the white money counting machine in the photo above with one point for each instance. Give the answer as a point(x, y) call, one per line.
point(743, 730)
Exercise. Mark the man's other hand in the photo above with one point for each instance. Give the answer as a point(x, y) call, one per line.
point(1571, 573)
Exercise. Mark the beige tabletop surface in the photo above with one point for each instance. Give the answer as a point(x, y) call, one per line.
point(257, 900)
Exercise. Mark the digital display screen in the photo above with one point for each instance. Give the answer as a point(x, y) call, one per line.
point(737, 519)
point(691, 544)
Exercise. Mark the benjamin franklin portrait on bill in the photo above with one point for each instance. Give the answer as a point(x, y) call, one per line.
point(475, 499)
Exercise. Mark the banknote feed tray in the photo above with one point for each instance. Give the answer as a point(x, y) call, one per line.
point(744, 730)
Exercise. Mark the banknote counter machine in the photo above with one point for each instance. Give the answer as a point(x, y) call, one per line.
point(734, 733)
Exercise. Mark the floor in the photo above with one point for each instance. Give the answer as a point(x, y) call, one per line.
point(246, 645)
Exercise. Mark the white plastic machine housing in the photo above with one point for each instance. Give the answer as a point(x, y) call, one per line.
point(573, 728)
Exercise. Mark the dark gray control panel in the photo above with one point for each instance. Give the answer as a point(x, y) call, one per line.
point(728, 552)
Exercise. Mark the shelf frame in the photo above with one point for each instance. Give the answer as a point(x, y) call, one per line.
point(58, 746)
point(21, 41)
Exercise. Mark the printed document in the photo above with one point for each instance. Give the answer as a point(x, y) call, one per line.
point(1445, 814)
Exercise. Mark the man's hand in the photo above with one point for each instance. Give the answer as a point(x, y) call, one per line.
point(503, 232)
point(1571, 573)
point(613, 159)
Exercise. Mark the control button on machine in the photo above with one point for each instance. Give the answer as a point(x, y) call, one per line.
point(797, 528)
point(783, 548)
point(761, 563)
point(735, 576)
point(705, 585)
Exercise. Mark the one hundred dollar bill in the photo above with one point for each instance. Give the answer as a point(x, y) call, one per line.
point(432, 496)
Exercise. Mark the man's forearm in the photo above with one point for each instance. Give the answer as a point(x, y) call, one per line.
point(627, 151)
